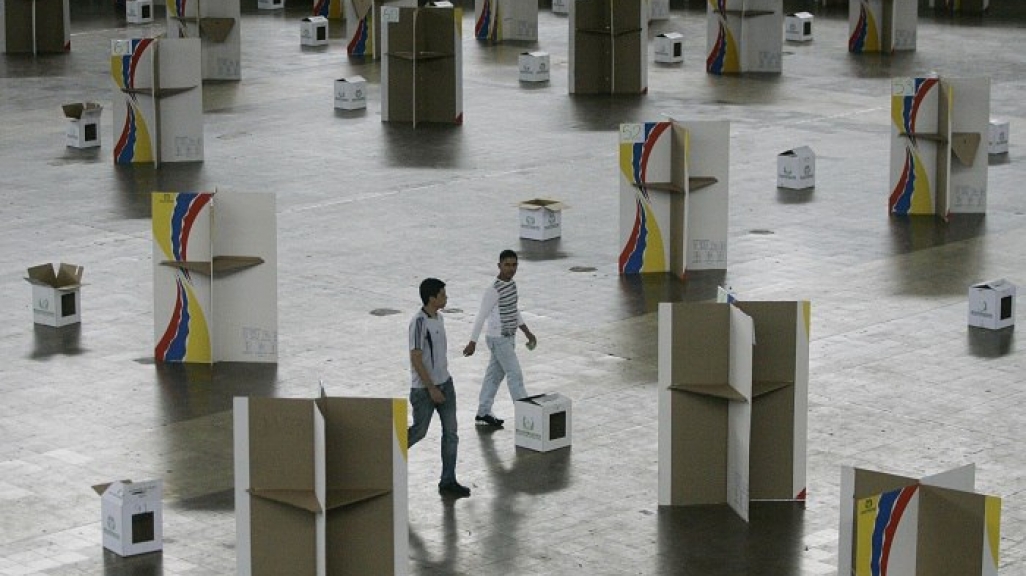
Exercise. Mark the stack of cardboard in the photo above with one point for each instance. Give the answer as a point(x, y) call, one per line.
point(215, 295)
point(501, 20)
point(320, 486)
point(674, 179)
point(608, 46)
point(158, 100)
point(744, 36)
point(422, 67)
point(882, 25)
point(733, 402)
point(938, 160)
point(902, 526)
point(34, 26)
point(217, 24)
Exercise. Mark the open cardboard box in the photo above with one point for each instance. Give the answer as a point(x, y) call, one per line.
point(56, 299)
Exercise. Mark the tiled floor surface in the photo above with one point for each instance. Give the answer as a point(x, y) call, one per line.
point(366, 209)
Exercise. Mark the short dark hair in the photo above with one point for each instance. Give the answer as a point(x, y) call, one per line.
point(507, 253)
point(430, 287)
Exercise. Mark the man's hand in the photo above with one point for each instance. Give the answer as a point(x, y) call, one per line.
point(436, 395)
point(469, 350)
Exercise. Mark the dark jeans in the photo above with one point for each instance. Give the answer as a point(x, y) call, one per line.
point(423, 409)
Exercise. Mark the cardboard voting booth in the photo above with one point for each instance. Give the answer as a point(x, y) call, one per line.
point(674, 179)
point(34, 26)
point(962, 6)
point(328, 8)
point(733, 402)
point(139, 11)
point(997, 137)
point(422, 67)
point(217, 24)
point(501, 20)
point(543, 422)
point(320, 486)
point(658, 9)
point(992, 304)
point(798, 27)
point(608, 47)
point(744, 36)
point(900, 526)
point(56, 298)
point(158, 100)
point(83, 129)
point(132, 516)
point(669, 47)
point(215, 295)
point(363, 25)
point(534, 66)
point(541, 219)
point(796, 168)
point(938, 165)
point(882, 25)
point(351, 93)
point(313, 31)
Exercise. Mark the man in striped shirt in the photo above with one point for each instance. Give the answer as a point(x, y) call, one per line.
point(499, 310)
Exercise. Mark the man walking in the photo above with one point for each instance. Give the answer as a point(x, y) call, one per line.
point(499, 311)
point(431, 387)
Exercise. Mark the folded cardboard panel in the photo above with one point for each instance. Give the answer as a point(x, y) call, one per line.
point(280, 490)
point(35, 26)
point(970, 116)
point(608, 47)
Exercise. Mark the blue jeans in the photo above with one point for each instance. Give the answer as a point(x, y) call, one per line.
point(423, 409)
point(504, 363)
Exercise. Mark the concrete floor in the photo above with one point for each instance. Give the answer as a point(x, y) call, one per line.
point(366, 209)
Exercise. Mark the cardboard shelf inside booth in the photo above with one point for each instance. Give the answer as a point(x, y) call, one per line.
point(157, 92)
point(694, 184)
point(303, 499)
point(964, 146)
point(421, 55)
point(718, 390)
point(761, 387)
point(931, 136)
point(219, 265)
point(342, 497)
point(216, 29)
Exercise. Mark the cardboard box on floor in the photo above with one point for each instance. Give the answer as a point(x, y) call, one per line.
point(157, 108)
point(798, 27)
point(674, 182)
point(215, 294)
point(501, 20)
point(997, 136)
point(543, 422)
point(56, 299)
point(313, 31)
point(320, 486)
point(139, 11)
point(937, 163)
point(733, 416)
point(541, 219)
point(351, 93)
point(608, 47)
point(35, 27)
point(796, 168)
point(83, 129)
point(217, 24)
point(669, 47)
point(534, 66)
point(422, 66)
point(882, 25)
point(132, 516)
point(744, 37)
point(992, 304)
point(917, 527)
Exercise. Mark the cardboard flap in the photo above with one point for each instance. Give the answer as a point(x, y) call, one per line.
point(101, 488)
point(362, 8)
point(763, 388)
point(216, 29)
point(961, 478)
point(539, 203)
point(542, 399)
point(66, 277)
point(964, 145)
point(302, 499)
point(79, 109)
point(342, 497)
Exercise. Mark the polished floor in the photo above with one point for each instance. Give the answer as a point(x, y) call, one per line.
point(366, 209)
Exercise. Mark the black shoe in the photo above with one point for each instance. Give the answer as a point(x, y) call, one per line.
point(454, 489)
point(488, 420)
